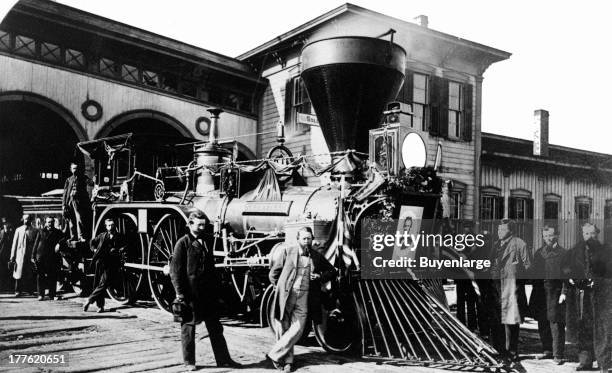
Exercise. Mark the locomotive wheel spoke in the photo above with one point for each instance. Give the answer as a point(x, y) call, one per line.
point(165, 236)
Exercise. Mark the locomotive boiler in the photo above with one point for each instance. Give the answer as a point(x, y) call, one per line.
point(256, 206)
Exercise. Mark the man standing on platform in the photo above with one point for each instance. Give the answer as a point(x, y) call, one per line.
point(107, 247)
point(75, 202)
point(197, 286)
point(297, 275)
point(588, 266)
point(547, 301)
point(21, 252)
point(46, 258)
point(512, 261)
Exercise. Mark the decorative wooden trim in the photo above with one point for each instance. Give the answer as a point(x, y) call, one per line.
point(87, 105)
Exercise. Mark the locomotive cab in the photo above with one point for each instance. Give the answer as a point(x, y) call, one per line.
point(125, 165)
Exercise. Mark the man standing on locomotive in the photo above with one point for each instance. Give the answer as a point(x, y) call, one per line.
point(75, 202)
point(46, 258)
point(297, 276)
point(107, 247)
point(195, 280)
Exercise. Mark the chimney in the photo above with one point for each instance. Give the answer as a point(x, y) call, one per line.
point(422, 20)
point(540, 133)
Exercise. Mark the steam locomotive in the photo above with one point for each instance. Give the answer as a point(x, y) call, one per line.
point(257, 206)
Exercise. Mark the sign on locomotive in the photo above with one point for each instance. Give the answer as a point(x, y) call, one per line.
point(256, 206)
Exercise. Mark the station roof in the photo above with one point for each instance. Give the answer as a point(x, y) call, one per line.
point(514, 153)
point(97, 26)
point(297, 34)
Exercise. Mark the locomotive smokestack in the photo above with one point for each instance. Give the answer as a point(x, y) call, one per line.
point(349, 82)
point(213, 134)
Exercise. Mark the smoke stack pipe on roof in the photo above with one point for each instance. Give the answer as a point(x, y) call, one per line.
point(540, 133)
point(422, 20)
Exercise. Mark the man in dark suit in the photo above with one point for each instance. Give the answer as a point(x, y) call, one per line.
point(195, 280)
point(46, 258)
point(297, 275)
point(588, 267)
point(6, 240)
point(547, 300)
point(75, 202)
point(107, 247)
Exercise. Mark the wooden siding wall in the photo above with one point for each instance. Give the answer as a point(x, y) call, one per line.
point(541, 185)
point(273, 110)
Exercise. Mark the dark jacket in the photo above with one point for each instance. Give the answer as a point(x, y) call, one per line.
point(81, 197)
point(6, 240)
point(193, 275)
point(44, 247)
point(107, 252)
point(548, 284)
point(283, 273)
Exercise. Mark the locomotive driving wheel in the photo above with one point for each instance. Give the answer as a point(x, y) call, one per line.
point(129, 277)
point(167, 231)
point(337, 332)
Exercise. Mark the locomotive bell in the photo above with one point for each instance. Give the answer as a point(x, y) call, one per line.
point(349, 81)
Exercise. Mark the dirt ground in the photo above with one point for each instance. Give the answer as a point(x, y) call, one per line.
point(143, 338)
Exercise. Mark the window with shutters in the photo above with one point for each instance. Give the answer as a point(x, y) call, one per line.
point(415, 91)
point(491, 204)
point(583, 209)
point(298, 108)
point(552, 204)
point(491, 208)
point(420, 96)
point(455, 105)
point(450, 109)
point(457, 196)
point(520, 209)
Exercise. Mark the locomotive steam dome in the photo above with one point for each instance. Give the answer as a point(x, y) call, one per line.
point(349, 81)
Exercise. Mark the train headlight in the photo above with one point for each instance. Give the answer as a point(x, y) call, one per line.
point(414, 152)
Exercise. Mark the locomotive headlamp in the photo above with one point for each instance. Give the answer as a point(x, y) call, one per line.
point(414, 153)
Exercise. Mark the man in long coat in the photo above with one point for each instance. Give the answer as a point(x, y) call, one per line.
point(511, 263)
point(547, 301)
point(108, 247)
point(6, 242)
point(297, 275)
point(75, 202)
point(589, 299)
point(196, 283)
point(21, 252)
point(46, 258)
